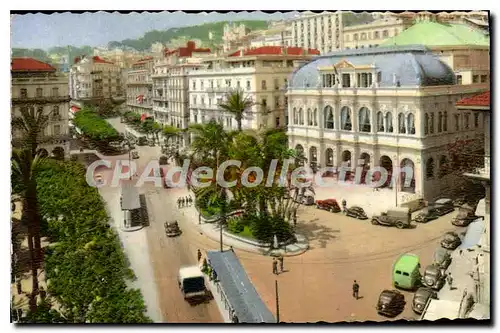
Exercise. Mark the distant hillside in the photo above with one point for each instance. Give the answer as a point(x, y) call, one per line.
point(194, 32)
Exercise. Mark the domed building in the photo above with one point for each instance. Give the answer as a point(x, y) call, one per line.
point(391, 107)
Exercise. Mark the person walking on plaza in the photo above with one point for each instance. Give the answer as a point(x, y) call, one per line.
point(275, 266)
point(190, 201)
point(449, 278)
point(199, 255)
point(178, 202)
point(280, 259)
point(355, 290)
point(187, 202)
point(344, 205)
point(182, 202)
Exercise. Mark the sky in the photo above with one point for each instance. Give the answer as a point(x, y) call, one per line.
point(97, 29)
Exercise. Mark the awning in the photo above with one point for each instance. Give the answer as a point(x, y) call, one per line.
point(473, 234)
point(240, 292)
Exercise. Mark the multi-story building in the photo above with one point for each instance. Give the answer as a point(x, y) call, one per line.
point(464, 48)
point(234, 35)
point(391, 107)
point(276, 35)
point(262, 73)
point(140, 86)
point(374, 33)
point(37, 86)
point(170, 86)
point(93, 78)
point(323, 31)
point(121, 58)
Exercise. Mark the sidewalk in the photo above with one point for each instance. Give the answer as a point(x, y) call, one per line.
point(212, 231)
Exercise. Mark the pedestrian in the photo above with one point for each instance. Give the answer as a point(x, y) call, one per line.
point(214, 275)
point(190, 201)
point(199, 255)
point(449, 278)
point(182, 202)
point(178, 202)
point(355, 289)
point(281, 263)
point(344, 205)
point(187, 201)
point(275, 266)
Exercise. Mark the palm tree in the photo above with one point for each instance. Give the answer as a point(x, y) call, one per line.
point(24, 169)
point(32, 125)
point(236, 104)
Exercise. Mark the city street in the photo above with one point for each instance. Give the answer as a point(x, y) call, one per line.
point(316, 286)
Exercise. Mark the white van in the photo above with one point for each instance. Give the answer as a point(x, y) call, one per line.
point(192, 282)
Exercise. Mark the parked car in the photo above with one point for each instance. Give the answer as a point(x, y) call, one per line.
point(406, 272)
point(135, 154)
point(421, 298)
point(172, 229)
point(450, 241)
point(442, 258)
point(142, 141)
point(399, 217)
point(465, 216)
point(330, 205)
point(356, 212)
point(427, 214)
point(443, 206)
point(390, 303)
point(433, 277)
point(151, 143)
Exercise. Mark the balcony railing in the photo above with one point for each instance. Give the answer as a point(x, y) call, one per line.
point(40, 99)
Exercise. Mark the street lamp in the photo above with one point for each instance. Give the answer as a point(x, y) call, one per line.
point(127, 142)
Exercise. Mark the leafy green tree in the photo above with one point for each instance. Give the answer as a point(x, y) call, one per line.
point(32, 124)
point(98, 130)
point(237, 104)
point(169, 132)
point(25, 168)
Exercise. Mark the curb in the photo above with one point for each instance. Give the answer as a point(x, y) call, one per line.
point(259, 250)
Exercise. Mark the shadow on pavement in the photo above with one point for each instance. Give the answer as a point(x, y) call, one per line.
point(317, 232)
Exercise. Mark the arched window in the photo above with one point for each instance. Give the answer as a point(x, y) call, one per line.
point(364, 120)
point(315, 117)
point(440, 122)
point(345, 119)
point(309, 117)
point(426, 123)
point(295, 116)
point(431, 125)
point(388, 122)
point(411, 124)
point(429, 168)
point(301, 117)
point(401, 123)
point(445, 122)
point(329, 121)
point(380, 122)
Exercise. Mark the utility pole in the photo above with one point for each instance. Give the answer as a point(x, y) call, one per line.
point(277, 302)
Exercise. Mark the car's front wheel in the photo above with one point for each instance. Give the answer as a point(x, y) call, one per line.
point(400, 225)
point(374, 222)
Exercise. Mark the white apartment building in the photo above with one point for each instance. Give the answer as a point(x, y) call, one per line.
point(38, 86)
point(391, 107)
point(323, 31)
point(95, 78)
point(234, 35)
point(262, 73)
point(140, 87)
point(374, 33)
point(170, 86)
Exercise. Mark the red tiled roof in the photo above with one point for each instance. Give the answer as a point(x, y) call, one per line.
point(100, 60)
point(30, 65)
point(476, 100)
point(143, 60)
point(276, 50)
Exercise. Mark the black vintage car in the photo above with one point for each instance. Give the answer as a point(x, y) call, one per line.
point(438, 208)
point(450, 241)
point(466, 215)
point(434, 277)
point(442, 258)
point(356, 212)
point(390, 303)
point(421, 298)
